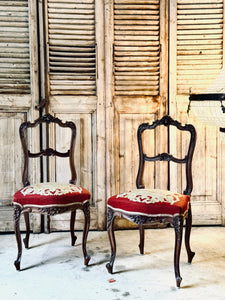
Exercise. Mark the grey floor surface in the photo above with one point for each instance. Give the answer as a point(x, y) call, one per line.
point(52, 269)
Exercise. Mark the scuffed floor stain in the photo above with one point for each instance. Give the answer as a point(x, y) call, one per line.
point(115, 290)
point(104, 251)
point(91, 253)
point(68, 260)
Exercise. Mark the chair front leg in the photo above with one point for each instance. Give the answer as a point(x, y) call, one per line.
point(187, 235)
point(86, 209)
point(17, 214)
point(178, 227)
point(72, 222)
point(110, 229)
point(27, 222)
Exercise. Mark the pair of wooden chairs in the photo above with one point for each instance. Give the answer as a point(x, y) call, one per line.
point(142, 206)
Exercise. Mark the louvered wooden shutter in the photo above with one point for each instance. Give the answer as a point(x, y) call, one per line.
point(199, 44)
point(72, 53)
point(14, 47)
point(136, 47)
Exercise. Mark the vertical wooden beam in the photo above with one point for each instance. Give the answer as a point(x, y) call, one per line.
point(172, 57)
point(222, 148)
point(32, 113)
point(162, 139)
point(101, 126)
point(110, 120)
point(173, 88)
point(221, 167)
point(164, 57)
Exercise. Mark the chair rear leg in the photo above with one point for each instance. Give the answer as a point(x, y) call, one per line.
point(17, 214)
point(142, 238)
point(48, 224)
point(178, 227)
point(110, 229)
point(27, 222)
point(187, 236)
point(86, 209)
point(72, 222)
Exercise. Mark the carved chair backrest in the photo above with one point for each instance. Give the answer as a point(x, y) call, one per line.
point(47, 119)
point(187, 160)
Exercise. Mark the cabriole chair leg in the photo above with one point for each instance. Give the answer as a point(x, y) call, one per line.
point(178, 227)
point(142, 238)
point(27, 222)
point(17, 214)
point(190, 253)
point(72, 222)
point(86, 209)
point(110, 229)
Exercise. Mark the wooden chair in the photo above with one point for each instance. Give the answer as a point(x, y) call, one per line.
point(143, 206)
point(50, 198)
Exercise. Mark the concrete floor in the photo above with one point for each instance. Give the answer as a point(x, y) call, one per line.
point(52, 269)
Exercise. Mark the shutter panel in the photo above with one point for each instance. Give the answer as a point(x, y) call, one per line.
point(14, 47)
point(199, 44)
point(72, 53)
point(136, 47)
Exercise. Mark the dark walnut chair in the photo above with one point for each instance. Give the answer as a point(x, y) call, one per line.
point(50, 198)
point(143, 206)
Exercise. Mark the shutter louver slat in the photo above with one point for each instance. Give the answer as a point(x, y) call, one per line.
point(136, 47)
point(199, 44)
point(72, 53)
point(14, 47)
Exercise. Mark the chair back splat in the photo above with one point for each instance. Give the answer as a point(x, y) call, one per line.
point(47, 118)
point(50, 198)
point(143, 206)
point(167, 121)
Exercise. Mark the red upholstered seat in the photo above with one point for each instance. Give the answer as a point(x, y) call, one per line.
point(50, 194)
point(150, 202)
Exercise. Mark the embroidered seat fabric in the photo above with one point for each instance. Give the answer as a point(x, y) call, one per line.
point(150, 202)
point(50, 193)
